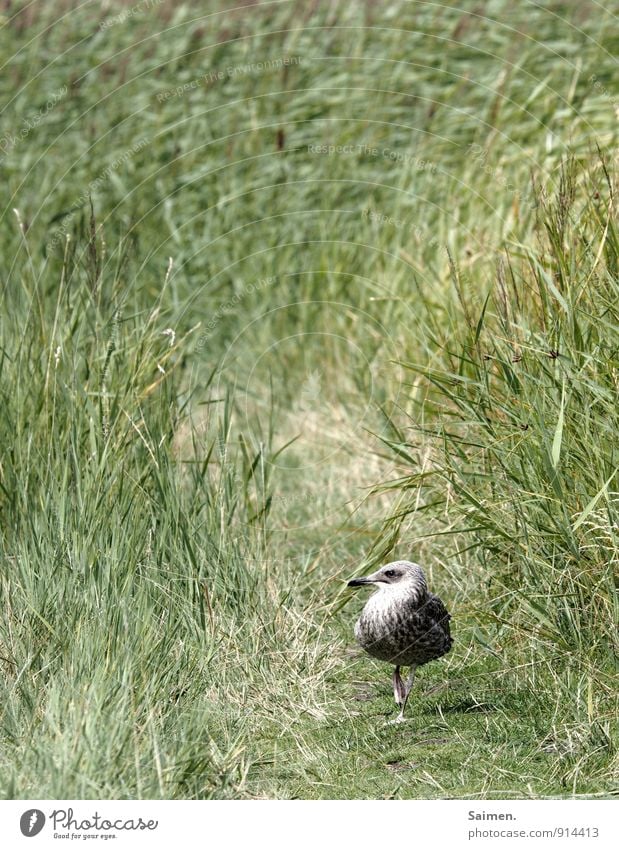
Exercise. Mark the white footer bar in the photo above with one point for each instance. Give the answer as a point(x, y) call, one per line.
point(576, 824)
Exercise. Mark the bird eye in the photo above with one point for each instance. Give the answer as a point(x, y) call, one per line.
point(390, 573)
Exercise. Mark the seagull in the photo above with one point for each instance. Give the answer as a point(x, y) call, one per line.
point(402, 623)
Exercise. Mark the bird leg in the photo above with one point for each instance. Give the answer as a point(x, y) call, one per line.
point(407, 689)
point(399, 691)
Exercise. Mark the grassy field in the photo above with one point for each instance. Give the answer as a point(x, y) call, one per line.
point(290, 290)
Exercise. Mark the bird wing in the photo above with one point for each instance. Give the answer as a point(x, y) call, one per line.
point(435, 609)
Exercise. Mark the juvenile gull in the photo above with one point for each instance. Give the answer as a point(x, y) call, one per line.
point(402, 623)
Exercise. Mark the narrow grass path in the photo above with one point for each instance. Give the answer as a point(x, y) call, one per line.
point(480, 723)
point(290, 290)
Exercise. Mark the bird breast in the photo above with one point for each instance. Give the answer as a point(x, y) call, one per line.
point(395, 627)
point(383, 623)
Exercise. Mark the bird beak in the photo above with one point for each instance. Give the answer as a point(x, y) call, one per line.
point(359, 582)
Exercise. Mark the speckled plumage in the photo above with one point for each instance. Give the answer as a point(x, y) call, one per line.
point(402, 623)
point(406, 631)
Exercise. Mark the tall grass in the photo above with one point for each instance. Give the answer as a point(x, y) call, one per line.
point(241, 251)
point(136, 594)
point(522, 413)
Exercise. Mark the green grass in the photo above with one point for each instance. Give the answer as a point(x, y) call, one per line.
point(288, 291)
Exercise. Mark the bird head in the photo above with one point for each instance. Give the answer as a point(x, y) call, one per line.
point(401, 576)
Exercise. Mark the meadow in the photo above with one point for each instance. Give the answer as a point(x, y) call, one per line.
point(290, 290)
